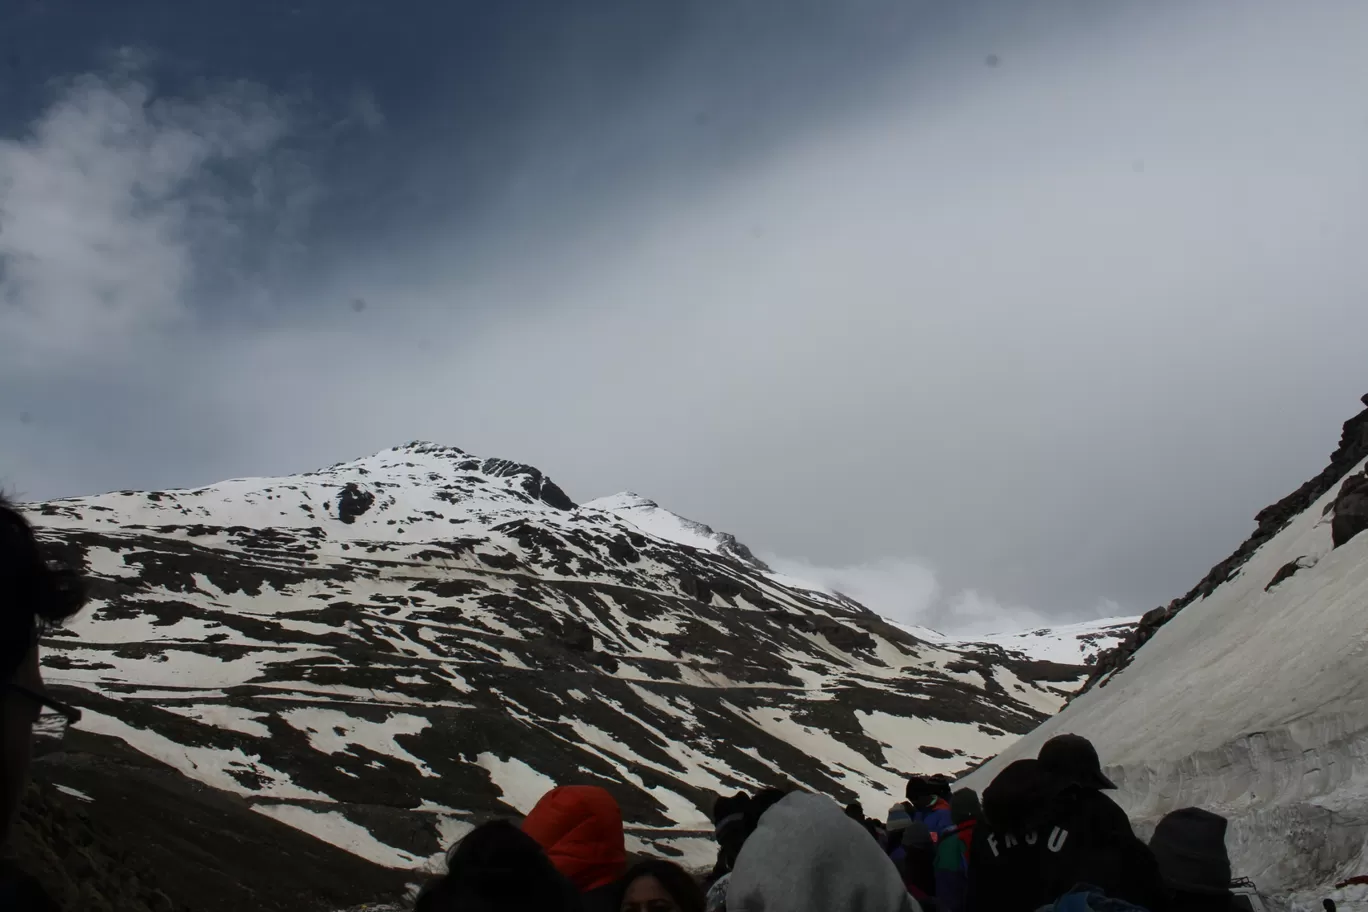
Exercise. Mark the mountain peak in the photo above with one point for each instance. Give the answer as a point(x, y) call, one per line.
point(653, 519)
point(427, 447)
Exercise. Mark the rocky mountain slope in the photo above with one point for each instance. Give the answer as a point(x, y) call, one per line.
point(1250, 695)
point(385, 652)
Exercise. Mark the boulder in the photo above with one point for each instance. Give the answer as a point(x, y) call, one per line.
point(1351, 509)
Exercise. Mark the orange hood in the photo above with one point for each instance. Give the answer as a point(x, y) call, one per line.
point(580, 827)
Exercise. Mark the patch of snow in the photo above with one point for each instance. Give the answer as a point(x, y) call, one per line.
point(74, 793)
point(221, 715)
point(334, 732)
point(663, 704)
point(1070, 644)
point(335, 829)
point(212, 766)
point(654, 520)
point(451, 830)
point(902, 739)
point(520, 786)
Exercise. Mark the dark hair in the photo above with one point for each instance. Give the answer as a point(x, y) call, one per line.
point(763, 801)
point(679, 883)
point(498, 868)
point(727, 805)
point(35, 592)
point(918, 787)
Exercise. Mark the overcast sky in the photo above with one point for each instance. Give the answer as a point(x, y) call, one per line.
point(987, 312)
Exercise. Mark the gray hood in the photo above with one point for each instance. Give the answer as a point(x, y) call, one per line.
point(806, 855)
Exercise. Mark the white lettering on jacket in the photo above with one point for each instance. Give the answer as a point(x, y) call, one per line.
point(1057, 837)
point(1055, 844)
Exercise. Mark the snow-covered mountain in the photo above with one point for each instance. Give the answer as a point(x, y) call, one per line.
point(1066, 644)
point(651, 518)
point(385, 652)
point(1249, 696)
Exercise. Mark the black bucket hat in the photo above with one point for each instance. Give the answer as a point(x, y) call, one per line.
point(1074, 759)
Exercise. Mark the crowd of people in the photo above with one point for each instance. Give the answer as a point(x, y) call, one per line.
point(1044, 837)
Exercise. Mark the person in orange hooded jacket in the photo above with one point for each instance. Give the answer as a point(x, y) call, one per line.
point(580, 829)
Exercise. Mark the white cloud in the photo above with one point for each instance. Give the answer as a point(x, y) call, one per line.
point(117, 200)
point(907, 591)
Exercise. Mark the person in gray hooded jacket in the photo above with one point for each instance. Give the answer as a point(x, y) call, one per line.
point(806, 855)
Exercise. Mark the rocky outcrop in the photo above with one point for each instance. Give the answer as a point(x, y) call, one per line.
point(1352, 450)
point(80, 865)
point(1288, 570)
point(533, 482)
point(352, 502)
point(1351, 509)
point(125, 833)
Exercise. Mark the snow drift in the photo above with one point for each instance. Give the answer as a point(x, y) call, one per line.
point(1251, 699)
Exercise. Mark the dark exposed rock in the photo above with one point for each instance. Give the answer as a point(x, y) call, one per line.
point(1287, 570)
point(352, 502)
point(576, 635)
point(1352, 449)
point(537, 485)
point(843, 636)
point(621, 550)
point(939, 753)
point(1351, 509)
point(694, 588)
point(151, 839)
point(79, 864)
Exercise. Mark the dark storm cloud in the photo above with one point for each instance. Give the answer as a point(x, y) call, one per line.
point(984, 312)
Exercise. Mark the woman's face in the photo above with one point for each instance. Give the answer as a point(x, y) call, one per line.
point(646, 894)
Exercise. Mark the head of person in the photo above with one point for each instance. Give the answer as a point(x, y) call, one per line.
point(729, 827)
point(1021, 797)
point(964, 806)
point(917, 837)
point(1073, 759)
point(660, 886)
point(580, 829)
point(855, 811)
point(898, 820)
point(1189, 845)
point(499, 868)
point(921, 792)
point(729, 817)
point(806, 855)
point(35, 593)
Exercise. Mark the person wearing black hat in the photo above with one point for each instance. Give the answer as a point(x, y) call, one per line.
point(1189, 845)
point(1073, 759)
point(729, 827)
point(1043, 834)
point(924, 803)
